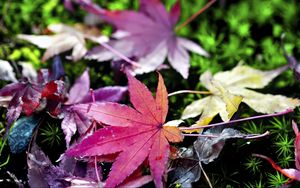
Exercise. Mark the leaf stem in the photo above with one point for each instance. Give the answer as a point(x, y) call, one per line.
point(255, 136)
point(116, 52)
point(189, 91)
point(93, 95)
point(190, 19)
point(237, 121)
point(251, 136)
point(96, 169)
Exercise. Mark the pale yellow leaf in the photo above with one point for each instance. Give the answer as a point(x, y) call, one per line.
point(232, 101)
point(246, 77)
point(229, 90)
point(266, 103)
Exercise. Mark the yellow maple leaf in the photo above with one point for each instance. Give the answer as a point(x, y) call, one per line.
point(230, 88)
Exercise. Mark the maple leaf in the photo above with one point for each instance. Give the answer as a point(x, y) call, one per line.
point(27, 96)
point(230, 88)
point(209, 148)
point(135, 133)
point(42, 173)
point(185, 168)
point(147, 35)
point(69, 173)
point(65, 38)
point(79, 94)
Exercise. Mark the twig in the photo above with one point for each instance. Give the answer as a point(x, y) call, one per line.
point(195, 15)
point(188, 91)
point(252, 136)
point(237, 121)
point(114, 51)
point(205, 175)
point(96, 169)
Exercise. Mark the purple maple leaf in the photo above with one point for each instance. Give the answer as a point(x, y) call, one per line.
point(80, 94)
point(28, 96)
point(147, 35)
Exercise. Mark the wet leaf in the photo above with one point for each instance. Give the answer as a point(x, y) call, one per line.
point(137, 134)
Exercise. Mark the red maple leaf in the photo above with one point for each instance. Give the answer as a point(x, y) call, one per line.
point(137, 134)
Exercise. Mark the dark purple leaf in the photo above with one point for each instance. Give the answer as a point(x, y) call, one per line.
point(57, 68)
point(41, 170)
point(80, 169)
point(291, 60)
point(10, 89)
point(26, 99)
point(208, 149)
point(42, 173)
point(54, 90)
point(294, 65)
point(79, 93)
point(186, 168)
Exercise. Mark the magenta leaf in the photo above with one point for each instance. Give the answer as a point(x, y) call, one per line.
point(296, 145)
point(135, 134)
